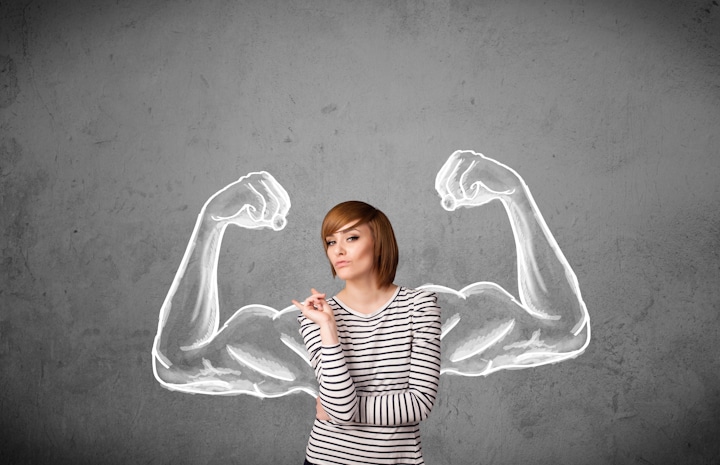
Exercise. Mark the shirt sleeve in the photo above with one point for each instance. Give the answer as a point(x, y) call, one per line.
point(336, 387)
point(337, 390)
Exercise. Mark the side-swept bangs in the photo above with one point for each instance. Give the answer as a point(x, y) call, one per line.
point(385, 247)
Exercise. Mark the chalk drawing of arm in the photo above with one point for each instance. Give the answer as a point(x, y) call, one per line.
point(257, 351)
point(486, 328)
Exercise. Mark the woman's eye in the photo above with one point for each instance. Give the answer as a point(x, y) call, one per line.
point(329, 243)
point(352, 238)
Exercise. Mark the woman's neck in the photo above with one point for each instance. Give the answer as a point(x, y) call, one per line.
point(366, 296)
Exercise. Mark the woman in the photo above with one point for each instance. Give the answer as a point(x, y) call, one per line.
point(375, 347)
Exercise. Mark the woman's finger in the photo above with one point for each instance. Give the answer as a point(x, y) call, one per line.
point(315, 293)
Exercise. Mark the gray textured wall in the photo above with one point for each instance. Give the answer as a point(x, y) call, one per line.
point(119, 118)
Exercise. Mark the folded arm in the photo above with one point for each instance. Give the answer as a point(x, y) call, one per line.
point(337, 392)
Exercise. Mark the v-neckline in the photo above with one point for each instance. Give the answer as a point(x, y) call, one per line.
point(373, 313)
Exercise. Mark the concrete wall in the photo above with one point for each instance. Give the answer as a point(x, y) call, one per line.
point(119, 118)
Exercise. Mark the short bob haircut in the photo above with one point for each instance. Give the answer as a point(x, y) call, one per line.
point(356, 213)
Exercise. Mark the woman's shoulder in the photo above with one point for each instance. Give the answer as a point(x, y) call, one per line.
point(416, 292)
point(418, 298)
point(421, 304)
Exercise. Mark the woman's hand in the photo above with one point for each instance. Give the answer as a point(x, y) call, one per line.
point(320, 412)
point(316, 309)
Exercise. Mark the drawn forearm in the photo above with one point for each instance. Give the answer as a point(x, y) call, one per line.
point(190, 315)
point(547, 285)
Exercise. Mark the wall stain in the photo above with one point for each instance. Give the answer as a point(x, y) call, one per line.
point(17, 192)
point(8, 81)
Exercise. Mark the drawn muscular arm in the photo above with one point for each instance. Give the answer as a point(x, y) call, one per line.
point(491, 329)
point(254, 351)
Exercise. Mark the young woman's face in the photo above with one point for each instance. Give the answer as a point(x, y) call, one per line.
point(351, 251)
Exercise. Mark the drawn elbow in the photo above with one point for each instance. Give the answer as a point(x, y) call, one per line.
point(163, 371)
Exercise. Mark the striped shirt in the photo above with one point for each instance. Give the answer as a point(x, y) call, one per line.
point(378, 383)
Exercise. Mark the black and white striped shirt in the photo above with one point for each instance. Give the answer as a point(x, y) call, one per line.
point(378, 383)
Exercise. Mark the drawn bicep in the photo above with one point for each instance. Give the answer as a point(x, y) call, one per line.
point(258, 351)
point(485, 329)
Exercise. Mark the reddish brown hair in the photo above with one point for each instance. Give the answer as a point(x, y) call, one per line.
point(355, 213)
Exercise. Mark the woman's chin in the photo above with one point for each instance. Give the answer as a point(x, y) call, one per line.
point(342, 276)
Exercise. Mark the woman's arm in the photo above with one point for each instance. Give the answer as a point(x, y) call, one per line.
point(338, 396)
point(549, 322)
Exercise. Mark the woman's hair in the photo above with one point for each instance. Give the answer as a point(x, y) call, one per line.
point(356, 213)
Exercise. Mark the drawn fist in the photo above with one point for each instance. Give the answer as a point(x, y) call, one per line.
point(254, 201)
point(469, 179)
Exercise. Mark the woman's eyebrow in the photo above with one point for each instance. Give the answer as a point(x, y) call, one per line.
point(344, 231)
